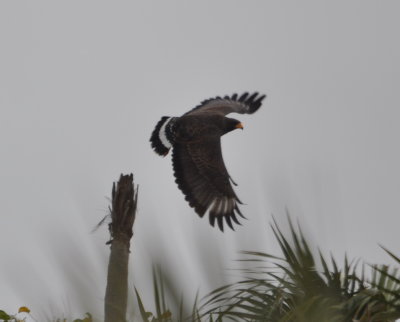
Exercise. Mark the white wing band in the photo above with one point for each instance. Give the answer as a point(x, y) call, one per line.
point(163, 136)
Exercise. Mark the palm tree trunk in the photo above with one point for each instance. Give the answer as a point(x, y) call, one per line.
point(123, 211)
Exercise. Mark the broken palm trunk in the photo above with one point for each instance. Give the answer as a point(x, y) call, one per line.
point(122, 211)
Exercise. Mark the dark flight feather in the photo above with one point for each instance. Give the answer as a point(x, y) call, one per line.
point(233, 104)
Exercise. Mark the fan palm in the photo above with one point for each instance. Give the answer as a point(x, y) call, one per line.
point(294, 289)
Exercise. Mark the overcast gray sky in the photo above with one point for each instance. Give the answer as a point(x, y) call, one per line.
point(83, 83)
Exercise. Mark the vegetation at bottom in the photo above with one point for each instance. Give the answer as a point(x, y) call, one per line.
point(299, 286)
point(24, 315)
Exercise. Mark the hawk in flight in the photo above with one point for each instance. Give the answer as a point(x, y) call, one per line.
point(199, 169)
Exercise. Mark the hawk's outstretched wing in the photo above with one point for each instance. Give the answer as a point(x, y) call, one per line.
point(244, 104)
point(201, 175)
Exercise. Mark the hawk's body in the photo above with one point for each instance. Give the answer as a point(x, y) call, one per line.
point(197, 158)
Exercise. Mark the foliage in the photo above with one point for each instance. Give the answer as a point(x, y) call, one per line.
point(23, 309)
point(87, 318)
point(15, 317)
point(293, 289)
point(301, 285)
point(4, 316)
point(164, 289)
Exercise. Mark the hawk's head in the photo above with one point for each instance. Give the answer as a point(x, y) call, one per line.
point(230, 124)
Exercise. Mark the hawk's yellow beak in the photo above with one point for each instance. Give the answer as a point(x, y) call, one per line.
point(239, 126)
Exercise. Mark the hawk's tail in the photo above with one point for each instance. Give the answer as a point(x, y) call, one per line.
point(161, 138)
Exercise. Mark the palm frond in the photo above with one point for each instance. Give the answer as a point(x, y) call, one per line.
point(292, 288)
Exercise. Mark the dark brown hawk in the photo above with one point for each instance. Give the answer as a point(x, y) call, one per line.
point(195, 139)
